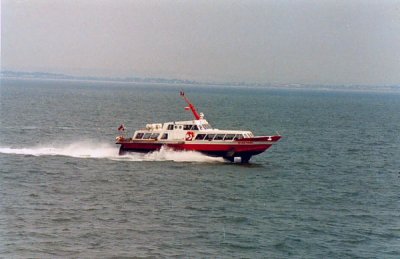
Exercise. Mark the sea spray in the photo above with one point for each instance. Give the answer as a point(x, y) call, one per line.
point(87, 149)
point(77, 149)
point(167, 154)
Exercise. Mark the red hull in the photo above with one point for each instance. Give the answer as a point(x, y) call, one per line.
point(244, 148)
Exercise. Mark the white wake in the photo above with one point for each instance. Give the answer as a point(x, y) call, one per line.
point(108, 151)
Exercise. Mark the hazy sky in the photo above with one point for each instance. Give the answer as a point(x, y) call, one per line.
point(328, 42)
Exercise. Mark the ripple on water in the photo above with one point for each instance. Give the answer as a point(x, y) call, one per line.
point(328, 189)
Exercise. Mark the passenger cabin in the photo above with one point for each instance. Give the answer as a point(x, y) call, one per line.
point(177, 131)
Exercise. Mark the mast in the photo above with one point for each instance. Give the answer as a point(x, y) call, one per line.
point(191, 106)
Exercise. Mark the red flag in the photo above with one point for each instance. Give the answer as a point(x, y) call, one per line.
point(121, 127)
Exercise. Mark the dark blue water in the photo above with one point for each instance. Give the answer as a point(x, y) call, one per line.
point(328, 189)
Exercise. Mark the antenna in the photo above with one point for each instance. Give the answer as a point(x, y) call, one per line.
point(191, 106)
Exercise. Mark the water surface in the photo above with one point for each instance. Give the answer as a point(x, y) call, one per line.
point(329, 188)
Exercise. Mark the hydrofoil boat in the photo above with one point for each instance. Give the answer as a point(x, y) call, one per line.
point(196, 135)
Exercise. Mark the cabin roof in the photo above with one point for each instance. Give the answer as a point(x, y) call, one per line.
point(191, 122)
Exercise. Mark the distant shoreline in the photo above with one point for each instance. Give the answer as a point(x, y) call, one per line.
point(178, 82)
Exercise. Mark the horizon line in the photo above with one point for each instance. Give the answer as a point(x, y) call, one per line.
point(156, 79)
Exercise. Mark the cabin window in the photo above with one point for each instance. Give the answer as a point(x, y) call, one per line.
point(164, 136)
point(180, 127)
point(139, 135)
point(170, 127)
point(195, 127)
point(154, 135)
point(219, 137)
point(229, 136)
point(187, 127)
point(209, 137)
point(147, 136)
point(176, 127)
point(200, 136)
point(238, 136)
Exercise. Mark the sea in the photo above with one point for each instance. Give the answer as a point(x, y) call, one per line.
point(330, 188)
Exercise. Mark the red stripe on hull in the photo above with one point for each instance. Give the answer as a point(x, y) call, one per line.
point(140, 147)
point(242, 147)
point(237, 148)
point(262, 138)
